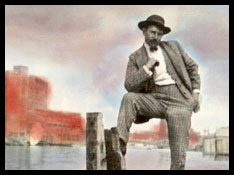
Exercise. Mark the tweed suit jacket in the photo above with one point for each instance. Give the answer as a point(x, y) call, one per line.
point(137, 80)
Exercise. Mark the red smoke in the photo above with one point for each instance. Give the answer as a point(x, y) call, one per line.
point(161, 129)
point(193, 137)
point(159, 132)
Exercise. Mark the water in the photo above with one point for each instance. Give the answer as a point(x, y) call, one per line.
point(74, 158)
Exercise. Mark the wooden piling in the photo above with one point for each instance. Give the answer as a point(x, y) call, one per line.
point(95, 142)
point(114, 157)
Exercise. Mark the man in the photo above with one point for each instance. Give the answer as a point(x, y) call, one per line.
point(162, 82)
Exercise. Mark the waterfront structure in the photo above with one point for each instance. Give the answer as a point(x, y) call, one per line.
point(222, 141)
point(27, 117)
point(58, 127)
point(209, 145)
point(217, 143)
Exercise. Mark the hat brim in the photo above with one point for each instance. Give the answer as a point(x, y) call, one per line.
point(143, 24)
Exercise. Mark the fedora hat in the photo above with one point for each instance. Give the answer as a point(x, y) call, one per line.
point(154, 20)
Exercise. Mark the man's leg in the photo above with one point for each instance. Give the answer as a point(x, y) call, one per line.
point(178, 121)
point(134, 104)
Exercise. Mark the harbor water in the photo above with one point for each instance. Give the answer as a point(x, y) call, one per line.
point(74, 158)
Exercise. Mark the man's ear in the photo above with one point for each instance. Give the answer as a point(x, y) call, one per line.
point(144, 30)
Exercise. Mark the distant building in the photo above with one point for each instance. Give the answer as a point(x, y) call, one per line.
point(27, 113)
point(56, 127)
point(37, 93)
point(31, 91)
point(209, 145)
point(217, 143)
point(222, 141)
point(20, 68)
point(222, 132)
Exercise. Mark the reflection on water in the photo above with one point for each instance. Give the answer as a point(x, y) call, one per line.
point(44, 157)
point(74, 158)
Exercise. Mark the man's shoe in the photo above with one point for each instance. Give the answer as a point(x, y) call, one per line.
point(123, 146)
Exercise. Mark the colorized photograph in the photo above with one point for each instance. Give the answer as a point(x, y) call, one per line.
point(117, 87)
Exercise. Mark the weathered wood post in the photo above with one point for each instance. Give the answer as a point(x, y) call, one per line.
point(95, 142)
point(114, 157)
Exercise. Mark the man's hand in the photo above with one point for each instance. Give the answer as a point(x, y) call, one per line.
point(151, 63)
point(196, 97)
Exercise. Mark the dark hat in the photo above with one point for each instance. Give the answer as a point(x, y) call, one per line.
point(154, 20)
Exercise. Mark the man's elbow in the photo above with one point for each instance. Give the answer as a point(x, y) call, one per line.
point(130, 87)
point(127, 86)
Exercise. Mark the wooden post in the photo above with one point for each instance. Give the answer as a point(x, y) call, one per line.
point(114, 157)
point(95, 142)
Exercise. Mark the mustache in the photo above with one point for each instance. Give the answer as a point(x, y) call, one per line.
point(154, 42)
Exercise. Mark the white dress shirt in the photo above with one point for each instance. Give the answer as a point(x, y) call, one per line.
point(160, 76)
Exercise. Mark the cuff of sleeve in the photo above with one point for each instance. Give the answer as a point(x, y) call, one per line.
point(196, 91)
point(147, 70)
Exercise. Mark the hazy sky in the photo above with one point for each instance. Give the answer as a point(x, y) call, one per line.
point(83, 51)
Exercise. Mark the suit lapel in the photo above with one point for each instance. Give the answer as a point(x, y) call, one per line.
point(143, 58)
point(168, 64)
point(174, 57)
point(168, 51)
point(171, 52)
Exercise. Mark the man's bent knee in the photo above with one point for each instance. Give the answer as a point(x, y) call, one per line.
point(130, 96)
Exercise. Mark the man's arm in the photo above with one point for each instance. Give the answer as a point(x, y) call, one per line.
point(135, 78)
point(192, 69)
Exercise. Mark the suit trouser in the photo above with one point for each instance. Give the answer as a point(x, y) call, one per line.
point(165, 102)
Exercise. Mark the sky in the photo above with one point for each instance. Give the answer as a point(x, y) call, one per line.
point(83, 52)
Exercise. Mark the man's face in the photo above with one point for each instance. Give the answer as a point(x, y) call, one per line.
point(153, 36)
